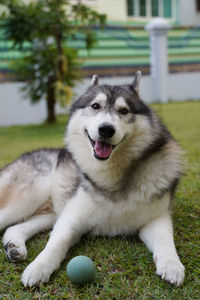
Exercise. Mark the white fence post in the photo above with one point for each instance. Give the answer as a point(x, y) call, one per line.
point(158, 29)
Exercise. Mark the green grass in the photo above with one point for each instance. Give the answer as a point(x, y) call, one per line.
point(125, 266)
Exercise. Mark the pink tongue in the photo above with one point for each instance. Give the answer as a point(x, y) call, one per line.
point(103, 149)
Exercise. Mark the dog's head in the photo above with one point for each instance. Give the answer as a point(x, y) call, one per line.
point(104, 117)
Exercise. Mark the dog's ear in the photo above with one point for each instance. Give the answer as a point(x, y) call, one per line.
point(136, 82)
point(95, 79)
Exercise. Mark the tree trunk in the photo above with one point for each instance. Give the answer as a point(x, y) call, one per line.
point(51, 117)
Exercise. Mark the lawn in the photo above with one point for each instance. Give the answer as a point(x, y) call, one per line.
point(125, 267)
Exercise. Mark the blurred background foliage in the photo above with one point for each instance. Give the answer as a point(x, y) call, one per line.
point(50, 67)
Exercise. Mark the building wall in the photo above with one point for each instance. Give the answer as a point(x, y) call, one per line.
point(184, 12)
point(114, 9)
point(187, 12)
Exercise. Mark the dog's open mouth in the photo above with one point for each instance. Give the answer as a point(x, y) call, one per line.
point(102, 150)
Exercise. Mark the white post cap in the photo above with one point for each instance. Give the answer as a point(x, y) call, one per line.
point(157, 25)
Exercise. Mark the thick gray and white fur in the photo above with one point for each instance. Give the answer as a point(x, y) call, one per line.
point(116, 176)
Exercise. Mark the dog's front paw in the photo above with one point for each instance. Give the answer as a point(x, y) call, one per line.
point(35, 274)
point(171, 270)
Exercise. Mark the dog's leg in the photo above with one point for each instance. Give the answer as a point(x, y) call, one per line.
point(20, 201)
point(21, 208)
point(15, 236)
point(158, 236)
point(23, 189)
point(75, 220)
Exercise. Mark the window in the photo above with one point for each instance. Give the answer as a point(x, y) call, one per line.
point(167, 5)
point(142, 8)
point(130, 7)
point(154, 8)
point(151, 8)
point(198, 5)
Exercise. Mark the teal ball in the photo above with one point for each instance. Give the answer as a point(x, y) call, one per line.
point(81, 270)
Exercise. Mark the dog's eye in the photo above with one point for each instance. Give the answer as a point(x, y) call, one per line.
point(96, 106)
point(123, 111)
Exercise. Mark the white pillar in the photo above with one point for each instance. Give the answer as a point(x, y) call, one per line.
point(158, 29)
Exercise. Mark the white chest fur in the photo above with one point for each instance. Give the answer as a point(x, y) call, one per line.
point(101, 216)
point(123, 218)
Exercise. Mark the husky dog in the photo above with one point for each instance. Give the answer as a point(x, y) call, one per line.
point(117, 175)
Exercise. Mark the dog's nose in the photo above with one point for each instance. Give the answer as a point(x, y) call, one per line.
point(106, 130)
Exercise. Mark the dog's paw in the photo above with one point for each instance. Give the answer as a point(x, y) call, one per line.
point(171, 270)
point(15, 251)
point(35, 274)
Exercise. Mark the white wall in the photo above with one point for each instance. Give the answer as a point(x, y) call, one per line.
point(14, 109)
point(184, 86)
point(114, 9)
point(187, 13)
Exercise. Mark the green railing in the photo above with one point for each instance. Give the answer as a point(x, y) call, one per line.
point(120, 47)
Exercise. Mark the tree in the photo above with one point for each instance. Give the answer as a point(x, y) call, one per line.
point(50, 66)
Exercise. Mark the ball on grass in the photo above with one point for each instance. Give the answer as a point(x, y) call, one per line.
point(81, 269)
